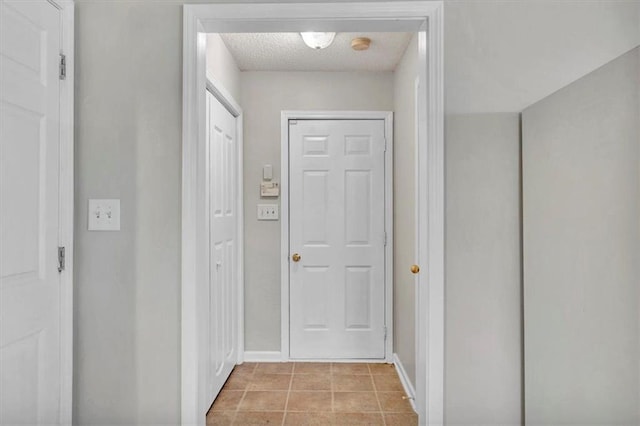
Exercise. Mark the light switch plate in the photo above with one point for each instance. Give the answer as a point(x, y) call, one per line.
point(104, 215)
point(268, 212)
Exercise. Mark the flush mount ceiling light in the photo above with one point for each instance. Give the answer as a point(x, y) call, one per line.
point(318, 40)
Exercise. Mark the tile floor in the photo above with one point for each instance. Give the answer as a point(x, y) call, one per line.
point(312, 394)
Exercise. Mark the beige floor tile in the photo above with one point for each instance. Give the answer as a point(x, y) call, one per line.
point(312, 368)
point(311, 382)
point(401, 419)
point(258, 418)
point(382, 368)
point(270, 382)
point(355, 402)
point(394, 402)
point(227, 400)
point(309, 401)
point(274, 368)
point(388, 382)
point(238, 381)
point(349, 368)
point(352, 382)
point(264, 401)
point(358, 419)
point(220, 418)
point(308, 419)
point(245, 368)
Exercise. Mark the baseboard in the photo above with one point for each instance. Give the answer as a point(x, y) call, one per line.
point(262, 356)
point(406, 383)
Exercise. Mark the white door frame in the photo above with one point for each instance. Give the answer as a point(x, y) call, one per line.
point(66, 226)
point(425, 17)
point(285, 309)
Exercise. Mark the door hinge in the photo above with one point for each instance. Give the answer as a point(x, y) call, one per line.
point(385, 144)
point(293, 122)
point(63, 67)
point(384, 329)
point(384, 238)
point(61, 259)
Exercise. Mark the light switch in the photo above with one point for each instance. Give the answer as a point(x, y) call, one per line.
point(267, 172)
point(104, 215)
point(268, 212)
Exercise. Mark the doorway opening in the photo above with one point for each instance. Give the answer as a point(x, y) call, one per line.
point(420, 18)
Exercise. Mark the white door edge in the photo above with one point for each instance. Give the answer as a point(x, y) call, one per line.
point(66, 218)
point(387, 116)
point(401, 15)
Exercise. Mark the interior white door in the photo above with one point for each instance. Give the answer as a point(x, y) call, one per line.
point(337, 216)
point(30, 361)
point(223, 232)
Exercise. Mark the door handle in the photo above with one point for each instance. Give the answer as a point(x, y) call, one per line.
point(296, 257)
point(415, 269)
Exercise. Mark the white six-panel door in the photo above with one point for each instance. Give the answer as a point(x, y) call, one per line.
point(223, 232)
point(30, 310)
point(337, 227)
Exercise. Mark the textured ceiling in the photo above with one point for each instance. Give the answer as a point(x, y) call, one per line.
point(287, 52)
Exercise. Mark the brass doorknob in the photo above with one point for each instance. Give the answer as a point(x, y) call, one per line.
point(295, 257)
point(415, 269)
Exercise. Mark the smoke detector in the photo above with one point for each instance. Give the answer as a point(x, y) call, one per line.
point(360, 43)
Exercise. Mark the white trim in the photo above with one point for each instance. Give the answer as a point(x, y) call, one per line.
point(404, 379)
point(430, 290)
point(423, 16)
point(263, 356)
point(66, 226)
point(285, 116)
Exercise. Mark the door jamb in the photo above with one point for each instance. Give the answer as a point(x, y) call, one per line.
point(426, 17)
point(66, 206)
point(285, 310)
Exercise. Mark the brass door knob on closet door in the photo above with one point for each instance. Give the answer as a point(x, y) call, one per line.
point(295, 257)
point(415, 269)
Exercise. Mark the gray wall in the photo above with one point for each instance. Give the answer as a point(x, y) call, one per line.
point(482, 313)
point(581, 175)
point(482, 238)
point(263, 96)
point(221, 65)
point(128, 146)
point(404, 228)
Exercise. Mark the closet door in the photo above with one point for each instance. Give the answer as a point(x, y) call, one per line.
point(223, 241)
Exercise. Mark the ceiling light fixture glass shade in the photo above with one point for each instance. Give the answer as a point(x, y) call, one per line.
point(318, 40)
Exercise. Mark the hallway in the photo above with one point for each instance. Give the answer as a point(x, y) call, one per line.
point(312, 394)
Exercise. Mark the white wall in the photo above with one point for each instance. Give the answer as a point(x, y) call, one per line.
point(404, 229)
point(221, 65)
point(482, 310)
point(263, 96)
point(581, 175)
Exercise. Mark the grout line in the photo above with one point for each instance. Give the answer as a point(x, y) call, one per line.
point(286, 404)
point(375, 391)
point(331, 385)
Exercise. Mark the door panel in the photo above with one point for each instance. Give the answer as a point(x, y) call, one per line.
point(30, 348)
point(337, 214)
point(223, 154)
